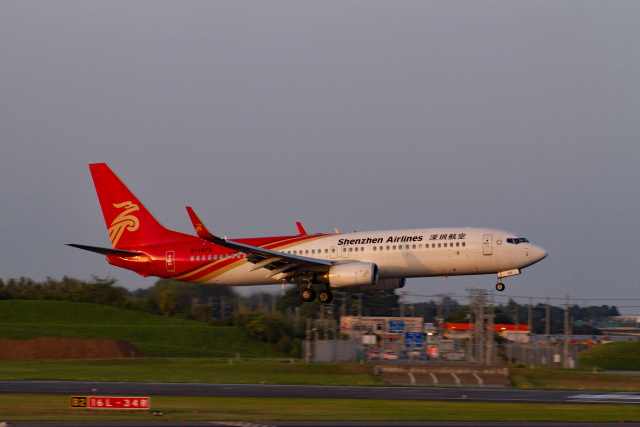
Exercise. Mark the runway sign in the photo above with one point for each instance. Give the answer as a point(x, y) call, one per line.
point(109, 402)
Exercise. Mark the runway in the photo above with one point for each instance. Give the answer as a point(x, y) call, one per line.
point(72, 388)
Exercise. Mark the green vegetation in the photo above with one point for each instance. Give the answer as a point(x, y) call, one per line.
point(218, 371)
point(35, 407)
point(555, 379)
point(615, 356)
point(154, 335)
point(273, 371)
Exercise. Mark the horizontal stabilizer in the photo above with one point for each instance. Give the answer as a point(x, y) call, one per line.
point(107, 251)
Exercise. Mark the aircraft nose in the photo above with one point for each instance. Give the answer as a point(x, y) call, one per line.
point(538, 253)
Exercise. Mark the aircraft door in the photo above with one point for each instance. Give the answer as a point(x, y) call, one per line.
point(487, 244)
point(334, 252)
point(171, 261)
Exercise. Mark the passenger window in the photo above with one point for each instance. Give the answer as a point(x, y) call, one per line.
point(414, 246)
point(361, 249)
point(394, 247)
point(192, 257)
point(356, 249)
point(463, 244)
point(350, 249)
point(439, 245)
point(375, 248)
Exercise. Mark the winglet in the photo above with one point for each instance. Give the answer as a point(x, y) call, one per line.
point(201, 230)
point(301, 229)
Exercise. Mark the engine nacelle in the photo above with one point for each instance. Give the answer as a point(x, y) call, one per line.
point(352, 274)
point(386, 285)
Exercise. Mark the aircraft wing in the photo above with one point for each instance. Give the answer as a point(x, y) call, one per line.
point(278, 262)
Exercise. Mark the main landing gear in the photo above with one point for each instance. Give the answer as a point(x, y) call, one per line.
point(325, 297)
point(308, 294)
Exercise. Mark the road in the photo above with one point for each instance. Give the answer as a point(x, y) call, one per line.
point(316, 392)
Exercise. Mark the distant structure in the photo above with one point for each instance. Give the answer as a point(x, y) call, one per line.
point(516, 333)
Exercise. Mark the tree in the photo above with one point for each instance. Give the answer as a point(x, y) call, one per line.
point(167, 302)
point(203, 312)
point(461, 315)
point(184, 293)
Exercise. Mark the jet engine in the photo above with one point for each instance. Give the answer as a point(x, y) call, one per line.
point(352, 274)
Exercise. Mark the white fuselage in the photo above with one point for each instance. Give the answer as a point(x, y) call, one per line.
point(424, 252)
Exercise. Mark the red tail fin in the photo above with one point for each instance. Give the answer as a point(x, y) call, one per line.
point(129, 223)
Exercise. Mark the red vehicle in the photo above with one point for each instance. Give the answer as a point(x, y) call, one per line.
point(373, 354)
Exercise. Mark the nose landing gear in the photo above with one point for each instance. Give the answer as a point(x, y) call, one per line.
point(500, 286)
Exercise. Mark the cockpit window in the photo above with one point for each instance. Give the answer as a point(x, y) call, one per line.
point(517, 241)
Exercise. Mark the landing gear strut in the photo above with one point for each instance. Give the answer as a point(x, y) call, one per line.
point(500, 287)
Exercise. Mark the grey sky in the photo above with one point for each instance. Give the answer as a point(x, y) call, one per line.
point(523, 116)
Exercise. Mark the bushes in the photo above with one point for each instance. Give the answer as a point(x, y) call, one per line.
point(273, 329)
point(615, 356)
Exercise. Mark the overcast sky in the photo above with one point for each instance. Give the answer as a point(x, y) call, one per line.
point(522, 116)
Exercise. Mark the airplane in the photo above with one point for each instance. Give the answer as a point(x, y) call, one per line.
point(376, 260)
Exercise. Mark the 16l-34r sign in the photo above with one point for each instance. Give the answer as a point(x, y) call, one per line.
point(110, 402)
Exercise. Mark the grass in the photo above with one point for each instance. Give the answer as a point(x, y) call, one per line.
point(552, 379)
point(154, 335)
point(216, 371)
point(615, 356)
point(273, 371)
point(41, 407)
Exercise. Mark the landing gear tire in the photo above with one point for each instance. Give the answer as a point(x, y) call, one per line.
point(500, 287)
point(325, 297)
point(308, 294)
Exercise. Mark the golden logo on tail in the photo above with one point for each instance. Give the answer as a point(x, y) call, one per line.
point(123, 221)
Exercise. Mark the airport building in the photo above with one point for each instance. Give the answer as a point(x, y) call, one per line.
point(384, 328)
point(516, 333)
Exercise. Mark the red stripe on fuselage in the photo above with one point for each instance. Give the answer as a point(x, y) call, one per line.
point(209, 269)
